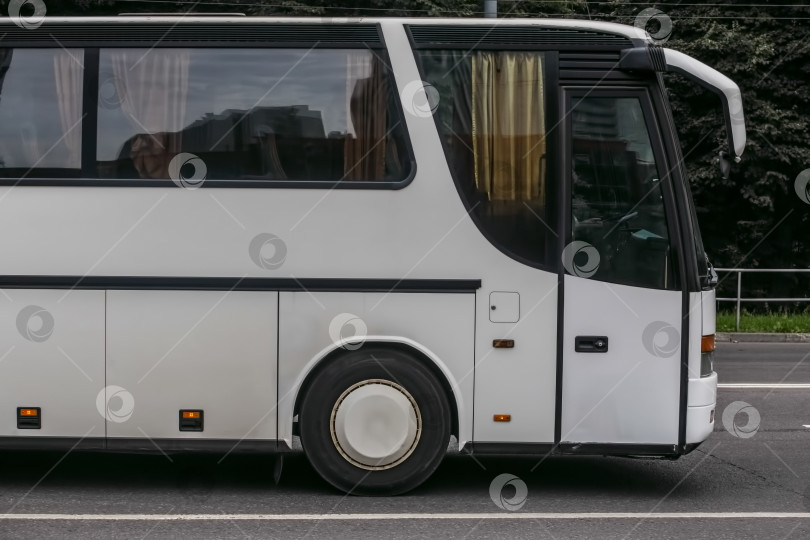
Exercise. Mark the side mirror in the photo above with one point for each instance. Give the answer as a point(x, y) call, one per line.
point(724, 164)
point(710, 280)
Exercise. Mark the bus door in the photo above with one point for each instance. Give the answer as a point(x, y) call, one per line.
point(622, 300)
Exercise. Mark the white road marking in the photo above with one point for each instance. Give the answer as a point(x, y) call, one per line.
point(765, 386)
point(388, 517)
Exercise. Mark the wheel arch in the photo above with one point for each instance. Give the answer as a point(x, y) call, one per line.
point(419, 352)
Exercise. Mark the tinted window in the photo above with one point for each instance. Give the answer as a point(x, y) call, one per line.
point(261, 114)
point(40, 112)
point(617, 201)
point(491, 116)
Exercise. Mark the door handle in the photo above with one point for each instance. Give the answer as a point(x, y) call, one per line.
point(591, 344)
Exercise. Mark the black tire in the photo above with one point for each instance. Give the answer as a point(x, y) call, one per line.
point(342, 373)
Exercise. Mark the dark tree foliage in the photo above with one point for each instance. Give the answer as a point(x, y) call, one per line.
point(319, 8)
point(754, 219)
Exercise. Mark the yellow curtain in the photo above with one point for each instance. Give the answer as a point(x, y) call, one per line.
point(508, 131)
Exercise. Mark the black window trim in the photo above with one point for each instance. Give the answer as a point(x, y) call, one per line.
point(688, 260)
point(243, 33)
point(683, 195)
point(517, 37)
point(90, 111)
point(84, 177)
point(553, 248)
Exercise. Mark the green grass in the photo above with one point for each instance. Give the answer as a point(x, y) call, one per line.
point(764, 322)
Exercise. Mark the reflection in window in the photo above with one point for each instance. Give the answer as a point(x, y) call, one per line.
point(491, 117)
point(249, 114)
point(617, 202)
point(40, 112)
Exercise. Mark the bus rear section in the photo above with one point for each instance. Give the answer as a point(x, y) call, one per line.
point(375, 235)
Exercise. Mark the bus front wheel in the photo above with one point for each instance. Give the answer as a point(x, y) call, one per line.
point(375, 421)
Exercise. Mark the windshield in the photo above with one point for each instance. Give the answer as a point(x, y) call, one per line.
point(701, 257)
point(704, 271)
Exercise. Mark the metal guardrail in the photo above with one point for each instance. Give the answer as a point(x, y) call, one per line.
point(739, 298)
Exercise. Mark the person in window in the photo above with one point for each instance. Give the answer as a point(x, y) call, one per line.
point(151, 153)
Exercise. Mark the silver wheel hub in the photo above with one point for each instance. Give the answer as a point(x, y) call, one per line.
point(375, 424)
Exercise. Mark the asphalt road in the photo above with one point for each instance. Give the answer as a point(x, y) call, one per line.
point(719, 488)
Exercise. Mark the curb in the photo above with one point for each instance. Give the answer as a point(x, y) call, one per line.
point(754, 337)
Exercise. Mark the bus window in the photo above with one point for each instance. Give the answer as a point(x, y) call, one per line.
point(40, 112)
point(491, 117)
point(617, 201)
point(280, 114)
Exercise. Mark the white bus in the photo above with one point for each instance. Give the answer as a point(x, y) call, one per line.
point(220, 233)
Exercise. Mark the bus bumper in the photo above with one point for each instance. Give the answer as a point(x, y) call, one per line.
point(700, 414)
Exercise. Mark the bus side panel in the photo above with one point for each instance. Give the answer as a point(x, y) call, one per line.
point(52, 357)
point(518, 381)
point(208, 350)
point(441, 325)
